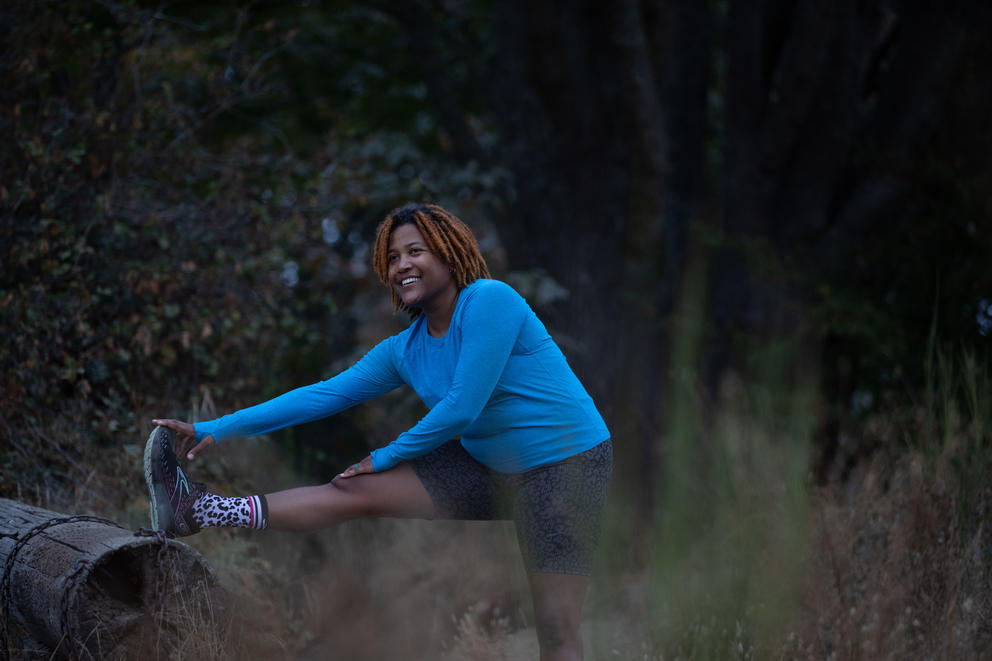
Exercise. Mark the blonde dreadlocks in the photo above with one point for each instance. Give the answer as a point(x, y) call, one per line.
point(447, 237)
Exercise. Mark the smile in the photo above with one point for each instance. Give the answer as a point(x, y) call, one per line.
point(406, 281)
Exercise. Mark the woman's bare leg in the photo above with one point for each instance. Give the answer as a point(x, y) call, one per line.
point(393, 493)
point(558, 610)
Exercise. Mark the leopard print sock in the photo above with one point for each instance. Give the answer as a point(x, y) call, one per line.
point(211, 510)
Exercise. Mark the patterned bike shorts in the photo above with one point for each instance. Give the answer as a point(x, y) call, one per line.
point(556, 508)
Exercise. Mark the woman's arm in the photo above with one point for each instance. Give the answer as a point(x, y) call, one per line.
point(491, 323)
point(375, 374)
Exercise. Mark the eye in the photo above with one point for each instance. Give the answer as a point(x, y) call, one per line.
point(392, 258)
point(414, 251)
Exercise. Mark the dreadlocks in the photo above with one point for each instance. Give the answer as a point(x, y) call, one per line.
point(447, 237)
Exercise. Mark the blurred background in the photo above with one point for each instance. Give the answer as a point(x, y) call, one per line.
point(760, 231)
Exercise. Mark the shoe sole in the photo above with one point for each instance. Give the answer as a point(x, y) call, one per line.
point(161, 510)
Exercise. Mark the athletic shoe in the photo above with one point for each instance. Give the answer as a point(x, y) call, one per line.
point(172, 495)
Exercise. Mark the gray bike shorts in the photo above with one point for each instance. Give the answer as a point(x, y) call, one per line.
point(557, 509)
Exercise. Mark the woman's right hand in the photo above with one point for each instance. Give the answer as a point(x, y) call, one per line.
point(185, 437)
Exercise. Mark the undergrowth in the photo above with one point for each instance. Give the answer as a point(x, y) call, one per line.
point(752, 561)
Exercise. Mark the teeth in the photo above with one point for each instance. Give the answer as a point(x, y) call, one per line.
point(407, 281)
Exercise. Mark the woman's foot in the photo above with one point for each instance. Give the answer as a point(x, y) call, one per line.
point(171, 494)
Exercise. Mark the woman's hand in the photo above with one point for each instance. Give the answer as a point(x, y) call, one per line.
point(363, 466)
point(186, 438)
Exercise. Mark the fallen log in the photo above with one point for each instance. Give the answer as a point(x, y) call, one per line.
point(80, 587)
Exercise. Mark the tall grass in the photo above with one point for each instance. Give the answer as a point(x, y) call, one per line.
point(746, 558)
point(729, 540)
point(902, 563)
point(749, 558)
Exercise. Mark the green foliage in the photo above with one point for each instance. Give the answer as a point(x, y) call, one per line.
point(730, 534)
point(187, 204)
point(954, 431)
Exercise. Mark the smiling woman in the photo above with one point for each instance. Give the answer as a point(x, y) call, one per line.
point(432, 230)
point(420, 280)
point(511, 433)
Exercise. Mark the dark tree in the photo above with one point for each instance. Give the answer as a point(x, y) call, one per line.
point(800, 142)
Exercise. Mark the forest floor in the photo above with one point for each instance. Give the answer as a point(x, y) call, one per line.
point(892, 564)
point(890, 569)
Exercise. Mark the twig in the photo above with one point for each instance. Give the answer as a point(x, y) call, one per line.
point(45, 437)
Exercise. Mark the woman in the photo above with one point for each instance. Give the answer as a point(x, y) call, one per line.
point(511, 433)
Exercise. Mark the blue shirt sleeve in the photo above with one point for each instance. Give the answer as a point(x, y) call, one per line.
point(490, 324)
point(375, 374)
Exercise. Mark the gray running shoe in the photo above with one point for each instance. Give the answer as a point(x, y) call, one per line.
point(171, 494)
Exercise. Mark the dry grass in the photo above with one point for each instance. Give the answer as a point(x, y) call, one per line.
point(747, 559)
point(892, 572)
point(891, 565)
point(890, 568)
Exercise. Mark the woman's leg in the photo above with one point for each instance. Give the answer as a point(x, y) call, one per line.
point(558, 610)
point(397, 492)
point(557, 511)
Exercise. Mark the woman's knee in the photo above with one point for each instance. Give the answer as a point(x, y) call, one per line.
point(354, 495)
point(394, 493)
point(557, 629)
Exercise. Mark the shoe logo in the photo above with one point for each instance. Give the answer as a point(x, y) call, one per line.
point(180, 482)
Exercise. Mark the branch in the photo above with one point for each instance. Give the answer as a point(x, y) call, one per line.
point(639, 85)
point(793, 87)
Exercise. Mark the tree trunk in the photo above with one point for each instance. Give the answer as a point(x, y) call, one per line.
point(81, 587)
point(568, 147)
point(603, 110)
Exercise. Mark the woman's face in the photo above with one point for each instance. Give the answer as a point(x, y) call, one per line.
point(418, 277)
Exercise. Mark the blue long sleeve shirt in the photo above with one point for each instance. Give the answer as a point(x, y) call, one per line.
point(495, 379)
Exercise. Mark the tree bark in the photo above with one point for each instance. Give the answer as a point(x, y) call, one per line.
point(569, 146)
point(81, 587)
point(825, 102)
point(608, 167)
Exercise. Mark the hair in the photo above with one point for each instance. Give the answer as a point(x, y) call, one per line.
point(447, 237)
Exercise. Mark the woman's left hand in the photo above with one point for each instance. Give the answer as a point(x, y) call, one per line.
point(363, 466)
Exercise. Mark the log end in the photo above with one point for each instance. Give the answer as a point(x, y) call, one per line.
point(84, 589)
